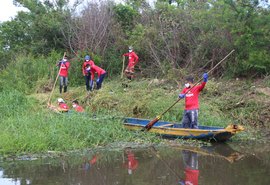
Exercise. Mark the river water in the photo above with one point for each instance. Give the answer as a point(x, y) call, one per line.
point(171, 165)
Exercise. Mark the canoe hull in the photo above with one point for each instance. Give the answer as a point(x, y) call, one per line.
point(175, 131)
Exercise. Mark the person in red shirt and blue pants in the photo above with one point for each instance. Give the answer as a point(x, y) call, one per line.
point(101, 73)
point(191, 95)
point(63, 73)
point(85, 71)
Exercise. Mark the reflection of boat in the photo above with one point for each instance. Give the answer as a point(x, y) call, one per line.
point(218, 150)
point(174, 130)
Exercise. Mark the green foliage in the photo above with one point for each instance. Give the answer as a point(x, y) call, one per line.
point(24, 72)
point(37, 31)
point(192, 34)
point(125, 15)
point(112, 62)
point(250, 35)
point(13, 103)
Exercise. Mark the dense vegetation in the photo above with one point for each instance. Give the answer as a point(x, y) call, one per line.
point(172, 40)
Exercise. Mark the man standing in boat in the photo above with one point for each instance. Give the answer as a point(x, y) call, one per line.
point(191, 95)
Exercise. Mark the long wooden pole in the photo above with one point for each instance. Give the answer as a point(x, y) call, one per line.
point(49, 100)
point(123, 67)
point(151, 123)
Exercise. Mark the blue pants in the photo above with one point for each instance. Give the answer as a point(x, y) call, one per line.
point(88, 82)
point(190, 118)
point(63, 81)
point(100, 80)
point(190, 159)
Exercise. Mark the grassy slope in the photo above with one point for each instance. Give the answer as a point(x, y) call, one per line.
point(28, 126)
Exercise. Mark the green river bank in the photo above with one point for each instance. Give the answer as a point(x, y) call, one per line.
point(28, 126)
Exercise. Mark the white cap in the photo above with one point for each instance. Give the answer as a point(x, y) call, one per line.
point(60, 100)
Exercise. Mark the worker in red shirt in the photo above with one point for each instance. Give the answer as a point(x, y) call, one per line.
point(76, 106)
point(101, 73)
point(62, 106)
point(133, 59)
point(63, 73)
point(191, 95)
point(85, 71)
point(191, 168)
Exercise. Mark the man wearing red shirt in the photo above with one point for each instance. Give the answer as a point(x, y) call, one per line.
point(132, 61)
point(100, 72)
point(63, 73)
point(76, 106)
point(191, 95)
point(62, 106)
point(85, 71)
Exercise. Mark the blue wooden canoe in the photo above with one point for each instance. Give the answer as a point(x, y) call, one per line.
point(175, 130)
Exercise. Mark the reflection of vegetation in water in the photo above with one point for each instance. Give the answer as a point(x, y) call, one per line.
point(109, 168)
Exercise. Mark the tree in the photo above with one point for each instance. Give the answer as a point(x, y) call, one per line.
point(38, 30)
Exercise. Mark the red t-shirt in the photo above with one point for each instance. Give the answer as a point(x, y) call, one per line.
point(63, 106)
point(64, 68)
point(78, 108)
point(96, 69)
point(192, 176)
point(132, 58)
point(192, 97)
point(90, 62)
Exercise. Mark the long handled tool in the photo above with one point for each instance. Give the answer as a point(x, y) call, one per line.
point(49, 100)
point(123, 67)
point(151, 123)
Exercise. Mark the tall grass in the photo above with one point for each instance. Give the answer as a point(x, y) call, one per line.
point(42, 131)
point(24, 73)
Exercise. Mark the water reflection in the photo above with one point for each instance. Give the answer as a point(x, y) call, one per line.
point(88, 163)
point(190, 160)
point(214, 165)
point(131, 163)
